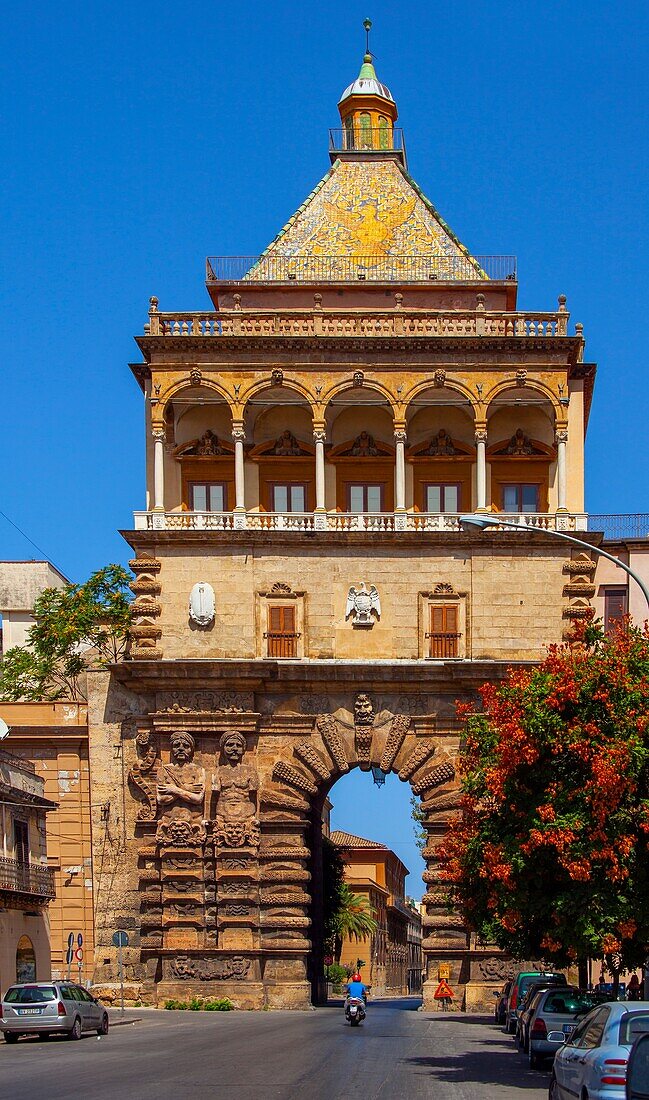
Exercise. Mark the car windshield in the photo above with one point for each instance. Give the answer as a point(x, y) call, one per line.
point(30, 994)
point(568, 1003)
point(539, 980)
point(632, 1025)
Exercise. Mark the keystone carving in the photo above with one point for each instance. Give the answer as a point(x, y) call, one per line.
point(364, 726)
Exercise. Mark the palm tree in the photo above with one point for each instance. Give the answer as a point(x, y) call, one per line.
point(354, 918)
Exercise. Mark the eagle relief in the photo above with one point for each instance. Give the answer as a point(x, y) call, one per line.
point(362, 603)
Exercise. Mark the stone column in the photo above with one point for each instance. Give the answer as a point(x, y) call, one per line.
point(239, 435)
point(159, 470)
point(400, 470)
point(319, 437)
point(562, 487)
point(481, 468)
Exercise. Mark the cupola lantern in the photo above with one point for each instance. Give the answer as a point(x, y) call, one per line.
point(367, 110)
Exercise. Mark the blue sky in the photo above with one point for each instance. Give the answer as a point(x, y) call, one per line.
point(140, 138)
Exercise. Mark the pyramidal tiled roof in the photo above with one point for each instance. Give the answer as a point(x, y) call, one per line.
point(348, 840)
point(368, 208)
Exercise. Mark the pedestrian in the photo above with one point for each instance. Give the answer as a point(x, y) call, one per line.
point(633, 989)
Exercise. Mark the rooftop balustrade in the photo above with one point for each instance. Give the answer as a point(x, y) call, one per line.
point(623, 526)
point(378, 523)
point(276, 268)
point(328, 323)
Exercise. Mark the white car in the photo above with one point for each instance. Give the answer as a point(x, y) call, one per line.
point(592, 1064)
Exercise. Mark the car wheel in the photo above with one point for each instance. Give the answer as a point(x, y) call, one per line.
point(535, 1060)
point(103, 1030)
point(75, 1032)
point(553, 1094)
point(11, 1037)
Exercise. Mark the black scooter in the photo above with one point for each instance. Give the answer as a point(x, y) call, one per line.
point(355, 1010)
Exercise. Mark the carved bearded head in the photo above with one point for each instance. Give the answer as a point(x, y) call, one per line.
point(182, 746)
point(233, 746)
point(363, 710)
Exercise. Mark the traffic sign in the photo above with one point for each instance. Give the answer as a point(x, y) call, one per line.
point(71, 939)
point(79, 954)
point(79, 940)
point(69, 955)
point(443, 991)
point(120, 939)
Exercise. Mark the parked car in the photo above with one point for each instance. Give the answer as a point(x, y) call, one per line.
point(551, 1019)
point(519, 989)
point(593, 1062)
point(49, 1008)
point(525, 1006)
point(500, 1008)
point(637, 1076)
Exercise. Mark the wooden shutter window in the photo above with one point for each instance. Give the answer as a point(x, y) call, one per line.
point(614, 609)
point(281, 637)
point(444, 636)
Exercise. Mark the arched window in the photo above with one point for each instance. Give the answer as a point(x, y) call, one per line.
point(349, 132)
point(366, 130)
point(384, 133)
point(25, 960)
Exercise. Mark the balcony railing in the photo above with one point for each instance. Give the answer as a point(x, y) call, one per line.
point(316, 522)
point(443, 645)
point(399, 323)
point(275, 268)
point(281, 645)
point(632, 526)
point(361, 139)
point(26, 878)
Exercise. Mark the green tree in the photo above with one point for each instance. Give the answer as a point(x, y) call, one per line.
point(333, 877)
point(354, 919)
point(76, 627)
point(418, 816)
point(550, 858)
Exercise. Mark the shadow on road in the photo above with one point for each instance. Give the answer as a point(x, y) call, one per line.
point(499, 1066)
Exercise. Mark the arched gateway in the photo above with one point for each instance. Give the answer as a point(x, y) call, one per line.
point(306, 599)
point(229, 839)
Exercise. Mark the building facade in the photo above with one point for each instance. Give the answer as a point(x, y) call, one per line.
point(21, 583)
point(52, 738)
point(26, 881)
point(306, 598)
point(375, 873)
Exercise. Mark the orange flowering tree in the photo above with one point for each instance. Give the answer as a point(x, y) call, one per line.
point(550, 858)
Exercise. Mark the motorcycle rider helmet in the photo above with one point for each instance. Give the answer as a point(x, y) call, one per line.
point(356, 977)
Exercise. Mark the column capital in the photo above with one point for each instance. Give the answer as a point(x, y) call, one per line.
point(561, 435)
point(481, 435)
point(159, 435)
point(400, 435)
point(319, 435)
point(238, 432)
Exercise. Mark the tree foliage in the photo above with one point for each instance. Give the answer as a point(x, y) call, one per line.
point(418, 817)
point(76, 627)
point(354, 919)
point(550, 858)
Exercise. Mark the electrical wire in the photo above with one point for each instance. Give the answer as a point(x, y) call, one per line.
point(32, 543)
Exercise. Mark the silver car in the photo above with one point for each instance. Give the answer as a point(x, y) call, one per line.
point(51, 1008)
point(593, 1061)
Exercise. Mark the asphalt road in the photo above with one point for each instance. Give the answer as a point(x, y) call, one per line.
point(397, 1053)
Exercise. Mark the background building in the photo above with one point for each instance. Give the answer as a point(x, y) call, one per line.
point(26, 881)
point(21, 583)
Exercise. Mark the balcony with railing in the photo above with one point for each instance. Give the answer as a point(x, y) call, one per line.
point(376, 523)
point(276, 268)
point(367, 139)
point(30, 879)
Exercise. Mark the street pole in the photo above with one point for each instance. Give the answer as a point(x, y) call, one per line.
point(481, 522)
point(120, 967)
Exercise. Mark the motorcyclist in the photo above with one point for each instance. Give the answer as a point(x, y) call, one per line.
point(355, 988)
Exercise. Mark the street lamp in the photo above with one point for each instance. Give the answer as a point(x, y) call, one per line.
point(378, 776)
point(480, 522)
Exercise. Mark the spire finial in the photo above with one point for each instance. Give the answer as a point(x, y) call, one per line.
point(367, 23)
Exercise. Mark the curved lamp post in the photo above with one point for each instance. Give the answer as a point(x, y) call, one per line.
point(480, 522)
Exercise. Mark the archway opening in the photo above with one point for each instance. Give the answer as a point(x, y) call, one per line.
point(25, 960)
point(364, 830)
